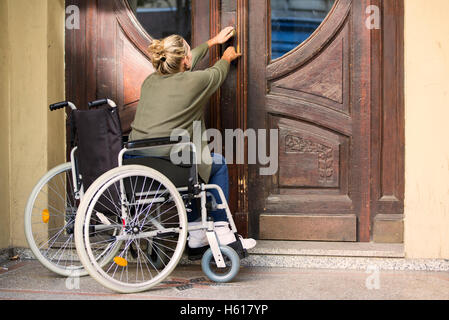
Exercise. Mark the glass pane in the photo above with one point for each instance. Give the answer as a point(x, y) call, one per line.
point(293, 21)
point(161, 18)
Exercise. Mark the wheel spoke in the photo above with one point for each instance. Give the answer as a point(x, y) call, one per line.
point(49, 221)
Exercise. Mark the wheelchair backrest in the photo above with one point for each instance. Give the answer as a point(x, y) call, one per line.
point(99, 141)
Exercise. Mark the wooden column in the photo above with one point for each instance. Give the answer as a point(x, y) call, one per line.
point(231, 102)
point(387, 182)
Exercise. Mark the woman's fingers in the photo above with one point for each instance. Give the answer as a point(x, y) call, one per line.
point(229, 36)
point(228, 30)
point(231, 54)
point(225, 35)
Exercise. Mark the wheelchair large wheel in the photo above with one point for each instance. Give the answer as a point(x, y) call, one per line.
point(131, 229)
point(49, 222)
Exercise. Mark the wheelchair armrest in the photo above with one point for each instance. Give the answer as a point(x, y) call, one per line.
point(145, 143)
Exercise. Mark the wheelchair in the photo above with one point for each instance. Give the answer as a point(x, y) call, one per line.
point(125, 226)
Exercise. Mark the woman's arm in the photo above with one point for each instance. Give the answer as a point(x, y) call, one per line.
point(200, 52)
point(218, 73)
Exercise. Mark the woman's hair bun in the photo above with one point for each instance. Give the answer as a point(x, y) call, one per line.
point(167, 54)
point(157, 50)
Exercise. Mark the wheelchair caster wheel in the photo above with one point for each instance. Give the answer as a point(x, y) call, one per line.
point(221, 275)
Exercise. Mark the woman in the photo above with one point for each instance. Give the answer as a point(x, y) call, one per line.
point(174, 97)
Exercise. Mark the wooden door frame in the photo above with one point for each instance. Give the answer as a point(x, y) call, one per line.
point(388, 124)
point(229, 106)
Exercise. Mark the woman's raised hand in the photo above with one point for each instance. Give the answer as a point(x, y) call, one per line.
point(224, 35)
point(230, 54)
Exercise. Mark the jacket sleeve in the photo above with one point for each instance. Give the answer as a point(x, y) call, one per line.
point(206, 82)
point(199, 53)
point(218, 74)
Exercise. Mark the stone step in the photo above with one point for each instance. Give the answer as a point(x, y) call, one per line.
point(338, 255)
point(328, 249)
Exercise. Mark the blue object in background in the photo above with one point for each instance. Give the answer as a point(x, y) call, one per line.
point(287, 33)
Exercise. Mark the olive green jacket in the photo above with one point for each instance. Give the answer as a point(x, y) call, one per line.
point(175, 101)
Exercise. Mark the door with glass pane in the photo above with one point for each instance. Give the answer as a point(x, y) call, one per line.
point(314, 75)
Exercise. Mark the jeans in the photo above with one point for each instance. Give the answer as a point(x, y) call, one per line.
point(219, 175)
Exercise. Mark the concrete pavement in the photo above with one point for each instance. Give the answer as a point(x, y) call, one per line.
point(29, 280)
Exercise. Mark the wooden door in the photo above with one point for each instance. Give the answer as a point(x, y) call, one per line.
point(107, 56)
point(325, 99)
point(336, 100)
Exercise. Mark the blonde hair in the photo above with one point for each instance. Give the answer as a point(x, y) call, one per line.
point(167, 54)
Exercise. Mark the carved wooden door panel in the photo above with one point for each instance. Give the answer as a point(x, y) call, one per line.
point(319, 96)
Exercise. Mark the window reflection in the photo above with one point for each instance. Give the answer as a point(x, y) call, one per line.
point(161, 18)
point(293, 21)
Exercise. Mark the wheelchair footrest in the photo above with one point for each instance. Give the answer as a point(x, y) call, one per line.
point(237, 246)
point(195, 254)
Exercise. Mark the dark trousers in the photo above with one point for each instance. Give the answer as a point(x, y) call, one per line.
point(220, 176)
